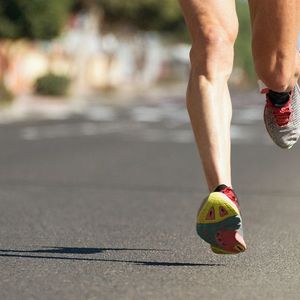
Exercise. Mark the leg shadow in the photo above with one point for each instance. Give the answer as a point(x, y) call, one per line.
point(76, 250)
point(34, 254)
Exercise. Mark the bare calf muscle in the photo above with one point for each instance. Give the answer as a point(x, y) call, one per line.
point(213, 26)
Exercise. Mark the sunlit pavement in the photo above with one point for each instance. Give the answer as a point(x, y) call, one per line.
point(103, 205)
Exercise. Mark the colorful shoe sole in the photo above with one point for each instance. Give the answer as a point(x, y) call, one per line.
point(219, 223)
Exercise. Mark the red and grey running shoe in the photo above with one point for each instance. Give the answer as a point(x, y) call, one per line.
point(283, 123)
point(219, 222)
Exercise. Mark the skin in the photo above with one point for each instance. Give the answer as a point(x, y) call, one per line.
point(274, 48)
point(213, 26)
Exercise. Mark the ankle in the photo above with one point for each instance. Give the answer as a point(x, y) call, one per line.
point(278, 99)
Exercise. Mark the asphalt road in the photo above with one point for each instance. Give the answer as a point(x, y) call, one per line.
point(103, 207)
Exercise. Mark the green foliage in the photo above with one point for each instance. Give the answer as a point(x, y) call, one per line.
point(33, 19)
point(146, 15)
point(5, 95)
point(52, 85)
point(243, 53)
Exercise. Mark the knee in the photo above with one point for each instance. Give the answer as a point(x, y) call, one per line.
point(276, 80)
point(276, 76)
point(217, 37)
point(212, 52)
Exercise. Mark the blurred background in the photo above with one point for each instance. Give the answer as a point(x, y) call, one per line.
point(78, 51)
point(100, 178)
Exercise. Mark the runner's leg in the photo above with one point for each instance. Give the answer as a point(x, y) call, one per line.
point(213, 26)
point(275, 26)
point(275, 29)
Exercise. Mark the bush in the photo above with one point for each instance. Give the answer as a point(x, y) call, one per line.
point(53, 85)
point(34, 19)
point(5, 95)
point(145, 15)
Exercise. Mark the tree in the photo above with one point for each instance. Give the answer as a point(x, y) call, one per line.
point(145, 15)
point(33, 19)
point(243, 52)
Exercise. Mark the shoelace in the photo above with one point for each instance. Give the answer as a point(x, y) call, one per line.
point(231, 194)
point(281, 114)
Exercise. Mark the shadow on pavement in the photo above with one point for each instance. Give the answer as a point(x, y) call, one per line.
point(76, 250)
point(70, 250)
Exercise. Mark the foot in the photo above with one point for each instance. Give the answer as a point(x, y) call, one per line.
point(219, 222)
point(283, 123)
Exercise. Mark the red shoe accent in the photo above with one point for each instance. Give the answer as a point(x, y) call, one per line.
point(228, 191)
point(231, 241)
point(222, 211)
point(211, 214)
point(281, 114)
point(264, 91)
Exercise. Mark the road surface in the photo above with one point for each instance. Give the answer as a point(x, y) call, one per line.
point(102, 206)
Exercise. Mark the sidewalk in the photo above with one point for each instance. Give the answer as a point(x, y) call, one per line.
point(34, 107)
point(37, 107)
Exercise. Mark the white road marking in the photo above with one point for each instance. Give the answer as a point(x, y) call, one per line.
point(240, 134)
point(162, 123)
point(29, 133)
point(174, 114)
point(100, 113)
point(146, 114)
point(74, 130)
point(248, 115)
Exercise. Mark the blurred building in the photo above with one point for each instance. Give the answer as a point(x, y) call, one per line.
point(93, 61)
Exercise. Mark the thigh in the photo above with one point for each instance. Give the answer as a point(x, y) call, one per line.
point(275, 28)
point(209, 18)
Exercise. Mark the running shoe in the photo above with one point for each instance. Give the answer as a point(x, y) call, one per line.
point(219, 222)
point(283, 123)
